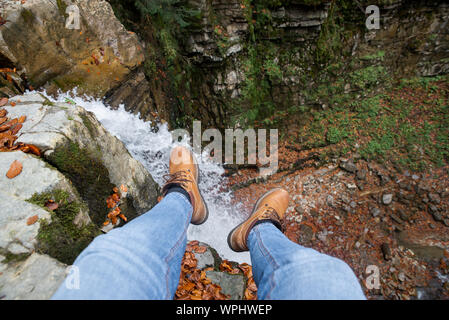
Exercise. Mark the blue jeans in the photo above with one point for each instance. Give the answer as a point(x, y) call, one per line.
point(142, 260)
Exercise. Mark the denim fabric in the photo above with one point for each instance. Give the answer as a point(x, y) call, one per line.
point(142, 260)
point(284, 270)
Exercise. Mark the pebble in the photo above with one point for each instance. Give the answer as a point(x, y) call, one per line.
point(348, 166)
point(435, 198)
point(375, 211)
point(387, 198)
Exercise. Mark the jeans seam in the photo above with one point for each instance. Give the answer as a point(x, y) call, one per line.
point(271, 260)
point(172, 253)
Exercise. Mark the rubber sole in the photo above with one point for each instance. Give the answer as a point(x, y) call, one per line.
point(252, 212)
point(198, 179)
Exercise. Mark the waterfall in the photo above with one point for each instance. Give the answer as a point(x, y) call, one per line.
point(151, 146)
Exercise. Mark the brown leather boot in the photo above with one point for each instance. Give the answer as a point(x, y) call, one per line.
point(270, 207)
point(185, 174)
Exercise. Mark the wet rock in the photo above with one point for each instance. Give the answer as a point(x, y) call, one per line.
point(387, 198)
point(231, 284)
point(205, 259)
point(69, 134)
point(62, 58)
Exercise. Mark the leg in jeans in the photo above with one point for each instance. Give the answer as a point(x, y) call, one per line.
point(141, 260)
point(285, 270)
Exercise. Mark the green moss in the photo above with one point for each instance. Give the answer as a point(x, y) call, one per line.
point(90, 127)
point(11, 257)
point(62, 6)
point(88, 174)
point(61, 238)
point(27, 16)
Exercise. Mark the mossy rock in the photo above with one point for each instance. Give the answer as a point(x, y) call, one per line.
point(88, 174)
point(61, 238)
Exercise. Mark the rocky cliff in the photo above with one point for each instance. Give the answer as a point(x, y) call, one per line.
point(57, 202)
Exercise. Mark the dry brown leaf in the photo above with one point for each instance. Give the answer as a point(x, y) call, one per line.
point(200, 249)
point(22, 119)
point(14, 170)
point(3, 101)
point(51, 205)
point(3, 120)
point(16, 129)
point(32, 220)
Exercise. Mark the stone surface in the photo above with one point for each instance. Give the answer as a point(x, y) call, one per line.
point(54, 127)
point(69, 138)
point(231, 284)
point(36, 177)
point(95, 57)
point(36, 278)
point(205, 259)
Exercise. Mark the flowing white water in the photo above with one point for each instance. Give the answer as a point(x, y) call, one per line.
point(152, 150)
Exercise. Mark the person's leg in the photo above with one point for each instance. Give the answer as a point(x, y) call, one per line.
point(141, 260)
point(285, 270)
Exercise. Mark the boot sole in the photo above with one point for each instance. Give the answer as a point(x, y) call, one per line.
point(198, 179)
point(252, 212)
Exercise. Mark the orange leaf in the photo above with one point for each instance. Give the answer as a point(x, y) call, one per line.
point(14, 170)
point(34, 150)
point(3, 101)
point(16, 129)
point(22, 119)
point(51, 205)
point(12, 103)
point(32, 220)
point(200, 249)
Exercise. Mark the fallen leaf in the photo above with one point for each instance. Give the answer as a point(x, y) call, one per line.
point(51, 205)
point(34, 150)
point(14, 170)
point(16, 129)
point(32, 220)
point(200, 249)
point(3, 101)
point(3, 112)
point(12, 103)
point(22, 119)
point(3, 120)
